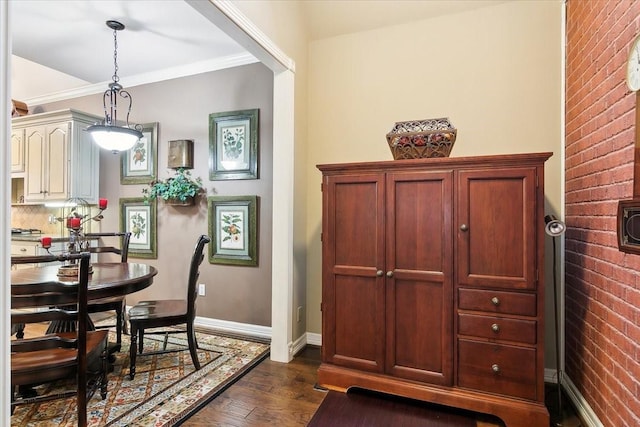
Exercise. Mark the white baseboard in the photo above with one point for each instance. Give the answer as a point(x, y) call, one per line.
point(263, 332)
point(582, 407)
point(234, 327)
point(550, 376)
point(314, 339)
point(298, 345)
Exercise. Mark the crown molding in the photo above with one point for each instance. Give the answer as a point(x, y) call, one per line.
point(227, 17)
point(146, 78)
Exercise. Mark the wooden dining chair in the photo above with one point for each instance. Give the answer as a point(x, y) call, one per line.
point(81, 354)
point(116, 304)
point(165, 313)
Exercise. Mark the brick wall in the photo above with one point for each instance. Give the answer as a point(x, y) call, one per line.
point(602, 284)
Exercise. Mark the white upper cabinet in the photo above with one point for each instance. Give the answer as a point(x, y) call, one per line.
point(61, 160)
point(17, 152)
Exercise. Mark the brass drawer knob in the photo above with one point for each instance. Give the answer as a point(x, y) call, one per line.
point(495, 301)
point(495, 328)
point(495, 368)
point(464, 227)
point(390, 273)
point(379, 273)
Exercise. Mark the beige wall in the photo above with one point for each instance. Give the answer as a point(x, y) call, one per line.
point(283, 23)
point(182, 107)
point(495, 72)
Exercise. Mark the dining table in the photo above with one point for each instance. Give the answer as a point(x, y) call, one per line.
point(106, 280)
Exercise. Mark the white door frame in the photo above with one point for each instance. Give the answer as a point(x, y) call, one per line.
point(236, 25)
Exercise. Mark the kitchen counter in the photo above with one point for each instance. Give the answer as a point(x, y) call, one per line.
point(36, 237)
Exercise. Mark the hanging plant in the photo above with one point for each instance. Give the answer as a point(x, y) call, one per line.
point(181, 188)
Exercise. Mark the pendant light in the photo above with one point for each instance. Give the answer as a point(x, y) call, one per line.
point(109, 135)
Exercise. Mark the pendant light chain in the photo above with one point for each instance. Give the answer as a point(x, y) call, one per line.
point(115, 56)
point(108, 134)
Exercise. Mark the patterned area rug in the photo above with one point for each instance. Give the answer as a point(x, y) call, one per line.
point(166, 390)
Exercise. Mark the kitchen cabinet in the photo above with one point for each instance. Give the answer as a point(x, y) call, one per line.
point(431, 286)
point(17, 152)
point(61, 160)
point(32, 248)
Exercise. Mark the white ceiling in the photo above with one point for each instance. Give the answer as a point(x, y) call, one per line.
point(67, 45)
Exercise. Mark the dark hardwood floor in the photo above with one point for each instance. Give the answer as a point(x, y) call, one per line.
point(283, 394)
point(272, 393)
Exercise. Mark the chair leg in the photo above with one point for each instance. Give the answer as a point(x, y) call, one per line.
point(119, 323)
point(125, 328)
point(104, 378)
point(166, 341)
point(132, 352)
point(13, 398)
point(20, 331)
point(140, 340)
point(81, 396)
point(193, 345)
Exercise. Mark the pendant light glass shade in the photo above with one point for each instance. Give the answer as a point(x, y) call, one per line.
point(109, 135)
point(114, 138)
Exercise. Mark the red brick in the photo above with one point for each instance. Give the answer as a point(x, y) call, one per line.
point(602, 288)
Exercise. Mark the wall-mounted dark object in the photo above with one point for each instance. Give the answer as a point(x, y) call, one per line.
point(181, 154)
point(629, 226)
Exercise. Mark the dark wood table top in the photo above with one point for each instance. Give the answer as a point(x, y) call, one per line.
point(107, 279)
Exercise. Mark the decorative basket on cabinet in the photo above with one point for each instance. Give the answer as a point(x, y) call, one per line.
point(418, 139)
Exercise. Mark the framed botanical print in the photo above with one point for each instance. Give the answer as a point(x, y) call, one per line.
point(139, 165)
point(233, 227)
point(139, 217)
point(233, 145)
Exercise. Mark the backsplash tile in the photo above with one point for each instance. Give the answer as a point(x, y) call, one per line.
point(37, 216)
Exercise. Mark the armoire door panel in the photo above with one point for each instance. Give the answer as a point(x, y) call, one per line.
point(353, 254)
point(417, 349)
point(356, 221)
point(420, 208)
point(359, 329)
point(419, 292)
point(496, 226)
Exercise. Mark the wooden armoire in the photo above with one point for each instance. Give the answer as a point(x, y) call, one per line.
point(432, 282)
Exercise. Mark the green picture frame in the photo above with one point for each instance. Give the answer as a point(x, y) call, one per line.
point(140, 164)
point(139, 217)
point(233, 227)
point(233, 145)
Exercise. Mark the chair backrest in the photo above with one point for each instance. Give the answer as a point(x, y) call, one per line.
point(194, 273)
point(123, 250)
point(55, 301)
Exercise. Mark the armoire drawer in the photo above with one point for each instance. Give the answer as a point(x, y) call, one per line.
point(497, 301)
point(497, 328)
point(496, 368)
